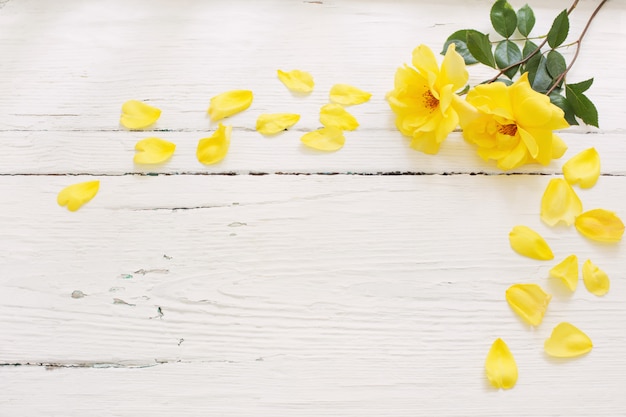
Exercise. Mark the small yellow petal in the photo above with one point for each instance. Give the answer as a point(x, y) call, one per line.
point(138, 115)
point(228, 103)
point(325, 139)
point(348, 95)
point(583, 169)
point(500, 366)
point(334, 115)
point(567, 271)
point(567, 341)
point(529, 301)
point(214, 149)
point(601, 225)
point(560, 203)
point(270, 124)
point(75, 195)
point(153, 151)
point(527, 242)
point(596, 280)
point(296, 80)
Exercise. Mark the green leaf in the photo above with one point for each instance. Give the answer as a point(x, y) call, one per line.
point(555, 63)
point(583, 107)
point(525, 20)
point(582, 86)
point(508, 53)
point(503, 18)
point(559, 30)
point(538, 76)
point(459, 38)
point(480, 48)
point(560, 101)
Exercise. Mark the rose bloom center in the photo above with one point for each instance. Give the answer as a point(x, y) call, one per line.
point(430, 102)
point(510, 130)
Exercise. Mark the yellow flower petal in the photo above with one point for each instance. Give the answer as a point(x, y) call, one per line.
point(153, 151)
point(500, 366)
point(529, 301)
point(297, 81)
point(228, 103)
point(567, 341)
point(527, 242)
point(270, 124)
point(214, 149)
point(74, 196)
point(583, 169)
point(596, 280)
point(560, 203)
point(348, 95)
point(334, 115)
point(138, 115)
point(601, 225)
point(567, 271)
point(325, 139)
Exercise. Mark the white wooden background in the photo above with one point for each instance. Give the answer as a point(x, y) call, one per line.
point(212, 290)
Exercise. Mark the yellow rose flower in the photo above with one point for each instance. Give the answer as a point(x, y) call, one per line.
point(424, 100)
point(516, 124)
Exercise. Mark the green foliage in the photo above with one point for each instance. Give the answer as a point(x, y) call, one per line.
point(480, 48)
point(459, 38)
point(503, 18)
point(583, 107)
point(559, 30)
point(507, 54)
point(525, 20)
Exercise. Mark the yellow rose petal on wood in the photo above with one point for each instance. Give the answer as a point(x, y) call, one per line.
point(334, 115)
point(567, 272)
point(500, 366)
point(75, 195)
point(214, 149)
point(529, 301)
point(229, 103)
point(325, 139)
point(527, 242)
point(153, 151)
point(348, 95)
point(297, 81)
point(138, 115)
point(601, 225)
point(567, 341)
point(596, 280)
point(270, 124)
point(583, 169)
point(560, 203)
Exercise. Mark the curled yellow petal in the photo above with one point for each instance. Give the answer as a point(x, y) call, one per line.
point(270, 124)
point(529, 301)
point(500, 366)
point(334, 115)
point(601, 225)
point(214, 149)
point(527, 242)
point(153, 151)
point(75, 195)
point(596, 280)
point(296, 80)
point(138, 115)
point(560, 203)
point(567, 271)
point(348, 95)
point(567, 341)
point(228, 103)
point(583, 169)
point(324, 139)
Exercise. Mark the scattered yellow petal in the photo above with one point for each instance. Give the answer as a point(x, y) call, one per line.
point(324, 139)
point(270, 124)
point(348, 95)
point(560, 203)
point(601, 225)
point(153, 151)
point(567, 341)
point(596, 280)
point(500, 366)
point(583, 169)
point(229, 103)
point(138, 115)
point(529, 301)
point(334, 115)
point(75, 195)
point(297, 81)
point(567, 271)
point(527, 242)
point(214, 149)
